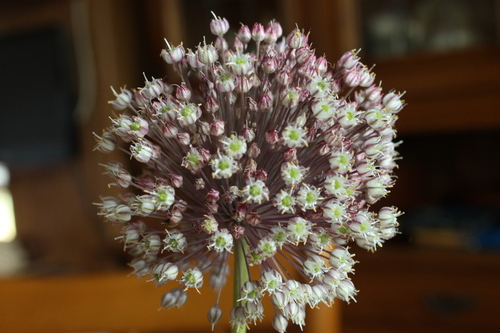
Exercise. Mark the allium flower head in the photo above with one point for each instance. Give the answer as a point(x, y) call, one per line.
point(271, 156)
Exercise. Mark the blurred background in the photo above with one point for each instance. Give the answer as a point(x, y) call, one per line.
point(59, 58)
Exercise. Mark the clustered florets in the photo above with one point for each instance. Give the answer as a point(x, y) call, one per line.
point(264, 152)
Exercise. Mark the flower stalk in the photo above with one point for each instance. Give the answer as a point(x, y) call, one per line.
point(240, 276)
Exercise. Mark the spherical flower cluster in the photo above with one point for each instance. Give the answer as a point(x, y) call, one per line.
point(275, 156)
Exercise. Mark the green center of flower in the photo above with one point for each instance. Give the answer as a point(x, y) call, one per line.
point(186, 111)
point(223, 165)
point(286, 201)
point(254, 190)
point(235, 146)
point(294, 135)
point(135, 126)
point(310, 197)
point(220, 242)
point(240, 61)
point(294, 173)
point(193, 158)
point(162, 196)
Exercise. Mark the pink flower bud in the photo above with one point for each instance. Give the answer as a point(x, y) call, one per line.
point(182, 93)
point(253, 150)
point(352, 78)
point(140, 100)
point(107, 143)
point(258, 32)
point(211, 104)
point(284, 77)
point(269, 65)
point(244, 84)
point(176, 180)
point(253, 218)
point(184, 138)
point(237, 231)
point(296, 39)
point(271, 34)
point(251, 104)
point(170, 130)
point(238, 44)
point(173, 55)
point(266, 101)
point(175, 216)
point(392, 102)
point(199, 184)
point(221, 43)
point(304, 55)
point(280, 323)
point(248, 134)
point(216, 127)
point(321, 65)
point(373, 93)
point(219, 26)
point(290, 154)
point(324, 149)
point(123, 99)
point(207, 54)
point(204, 154)
point(212, 196)
point(272, 137)
point(240, 212)
point(348, 60)
point(260, 174)
point(192, 60)
point(244, 34)
point(367, 78)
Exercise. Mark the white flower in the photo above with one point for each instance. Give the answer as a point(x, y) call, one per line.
point(255, 191)
point(292, 174)
point(234, 146)
point(175, 241)
point(294, 136)
point(309, 197)
point(192, 278)
point(221, 240)
point(285, 202)
point(223, 166)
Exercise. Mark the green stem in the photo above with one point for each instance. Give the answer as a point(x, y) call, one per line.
point(240, 277)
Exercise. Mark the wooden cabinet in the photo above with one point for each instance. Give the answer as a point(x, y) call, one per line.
point(416, 290)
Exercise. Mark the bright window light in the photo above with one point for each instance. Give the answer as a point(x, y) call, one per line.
point(7, 219)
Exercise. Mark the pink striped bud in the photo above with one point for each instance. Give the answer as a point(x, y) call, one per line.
point(244, 34)
point(253, 218)
point(212, 196)
point(216, 127)
point(258, 32)
point(176, 180)
point(184, 138)
point(170, 130)
point(272, 137)
point(182, 93)
point(219, 26)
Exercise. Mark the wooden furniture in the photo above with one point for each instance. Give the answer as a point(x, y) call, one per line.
point(404, 289)
point(116, 302)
